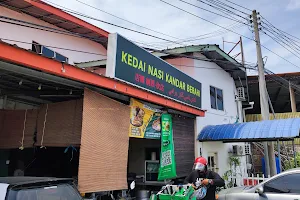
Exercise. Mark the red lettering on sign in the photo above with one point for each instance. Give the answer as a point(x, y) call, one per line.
point(142, 79)
point(152, 83)
point(162, 87)
point(148, 81)
point(187, 98)
point(159, 86)
point(137, 77)
point(181, 95)
point(171, 92)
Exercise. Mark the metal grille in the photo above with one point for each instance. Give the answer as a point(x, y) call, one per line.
point(104, 144)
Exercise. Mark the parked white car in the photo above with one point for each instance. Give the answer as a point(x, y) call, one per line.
point(284, 186)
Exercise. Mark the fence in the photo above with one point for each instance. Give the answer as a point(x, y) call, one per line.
point(246, 181)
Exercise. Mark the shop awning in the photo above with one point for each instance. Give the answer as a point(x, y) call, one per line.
point(283, 129)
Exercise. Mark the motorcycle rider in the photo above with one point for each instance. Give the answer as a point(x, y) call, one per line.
point(211, 179)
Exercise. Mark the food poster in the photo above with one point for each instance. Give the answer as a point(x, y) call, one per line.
point(144, 121)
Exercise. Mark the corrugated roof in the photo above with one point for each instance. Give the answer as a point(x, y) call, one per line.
point(214, 53)
point(270, 130)
point(57, 17)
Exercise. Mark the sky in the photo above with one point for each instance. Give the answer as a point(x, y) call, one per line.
point(176, 25)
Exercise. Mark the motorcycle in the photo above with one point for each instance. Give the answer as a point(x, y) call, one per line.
point(181, 192)
point(126, 195)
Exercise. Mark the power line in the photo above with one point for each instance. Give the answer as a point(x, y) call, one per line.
point(282, 80)
point(280, 35)
point(79, 51)
point(83, 36)
point(54, 47)
point(39, 15)
point(204, 19)
point(89, 17)
point(279, 29)
point(80, 14)
point(276, 40)
point(213, 33)
point(230, 31)
point(109, 23)
point(45, 28)
point(126, 20)
point(193, 39)
point(283, 40)
point(95, 53)
point(233, 19)
point(216, 5)
point(238, 5)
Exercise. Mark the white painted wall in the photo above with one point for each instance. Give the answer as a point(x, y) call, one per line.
point(14, 32)
point(210, 74)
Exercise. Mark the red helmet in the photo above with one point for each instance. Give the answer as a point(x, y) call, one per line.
point(200, 164)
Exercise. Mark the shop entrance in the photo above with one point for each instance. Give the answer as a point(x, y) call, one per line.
point(144, 156)
point(50, 162)
point(40, 123)
point(143, 160)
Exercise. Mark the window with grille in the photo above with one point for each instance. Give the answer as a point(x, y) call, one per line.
point(216, 98)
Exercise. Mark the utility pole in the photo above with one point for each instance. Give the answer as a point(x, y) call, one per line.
point(292, 98)
point(242, 52)
point(264, 105)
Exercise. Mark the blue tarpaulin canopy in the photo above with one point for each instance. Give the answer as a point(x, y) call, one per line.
point(270, 130)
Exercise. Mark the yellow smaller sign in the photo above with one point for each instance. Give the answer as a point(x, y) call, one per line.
point(144, 121)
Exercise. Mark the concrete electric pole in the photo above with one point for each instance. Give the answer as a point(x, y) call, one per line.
point(268, 148)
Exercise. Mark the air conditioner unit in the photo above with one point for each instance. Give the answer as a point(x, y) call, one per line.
point(240, 96)
point(237, 150)
point(247, 149)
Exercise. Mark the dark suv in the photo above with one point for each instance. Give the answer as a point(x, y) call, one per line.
point(37, 188)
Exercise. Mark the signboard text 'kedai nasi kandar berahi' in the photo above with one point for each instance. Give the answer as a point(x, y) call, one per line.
point(134, 65)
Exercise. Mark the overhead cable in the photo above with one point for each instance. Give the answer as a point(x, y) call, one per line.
point(144, 27)
point(230, 31)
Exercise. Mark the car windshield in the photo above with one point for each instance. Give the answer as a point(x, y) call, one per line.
point(57, 192)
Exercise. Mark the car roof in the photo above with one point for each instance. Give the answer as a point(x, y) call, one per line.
point(293, 170)
point(20, 180)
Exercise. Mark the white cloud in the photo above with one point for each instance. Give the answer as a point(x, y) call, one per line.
point(293, 5)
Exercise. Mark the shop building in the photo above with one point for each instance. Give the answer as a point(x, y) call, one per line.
point(65, 101)
point(61, 119)
point(224, 95)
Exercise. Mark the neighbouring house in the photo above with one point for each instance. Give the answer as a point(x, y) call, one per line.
point(224, 94)
point(284, 95)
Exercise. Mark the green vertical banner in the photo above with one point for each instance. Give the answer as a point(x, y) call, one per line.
point(167, 168)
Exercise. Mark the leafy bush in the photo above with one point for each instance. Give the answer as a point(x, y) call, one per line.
point(234, 163)
point(291, 164)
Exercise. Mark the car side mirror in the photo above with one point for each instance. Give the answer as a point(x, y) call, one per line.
point(260, 190)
